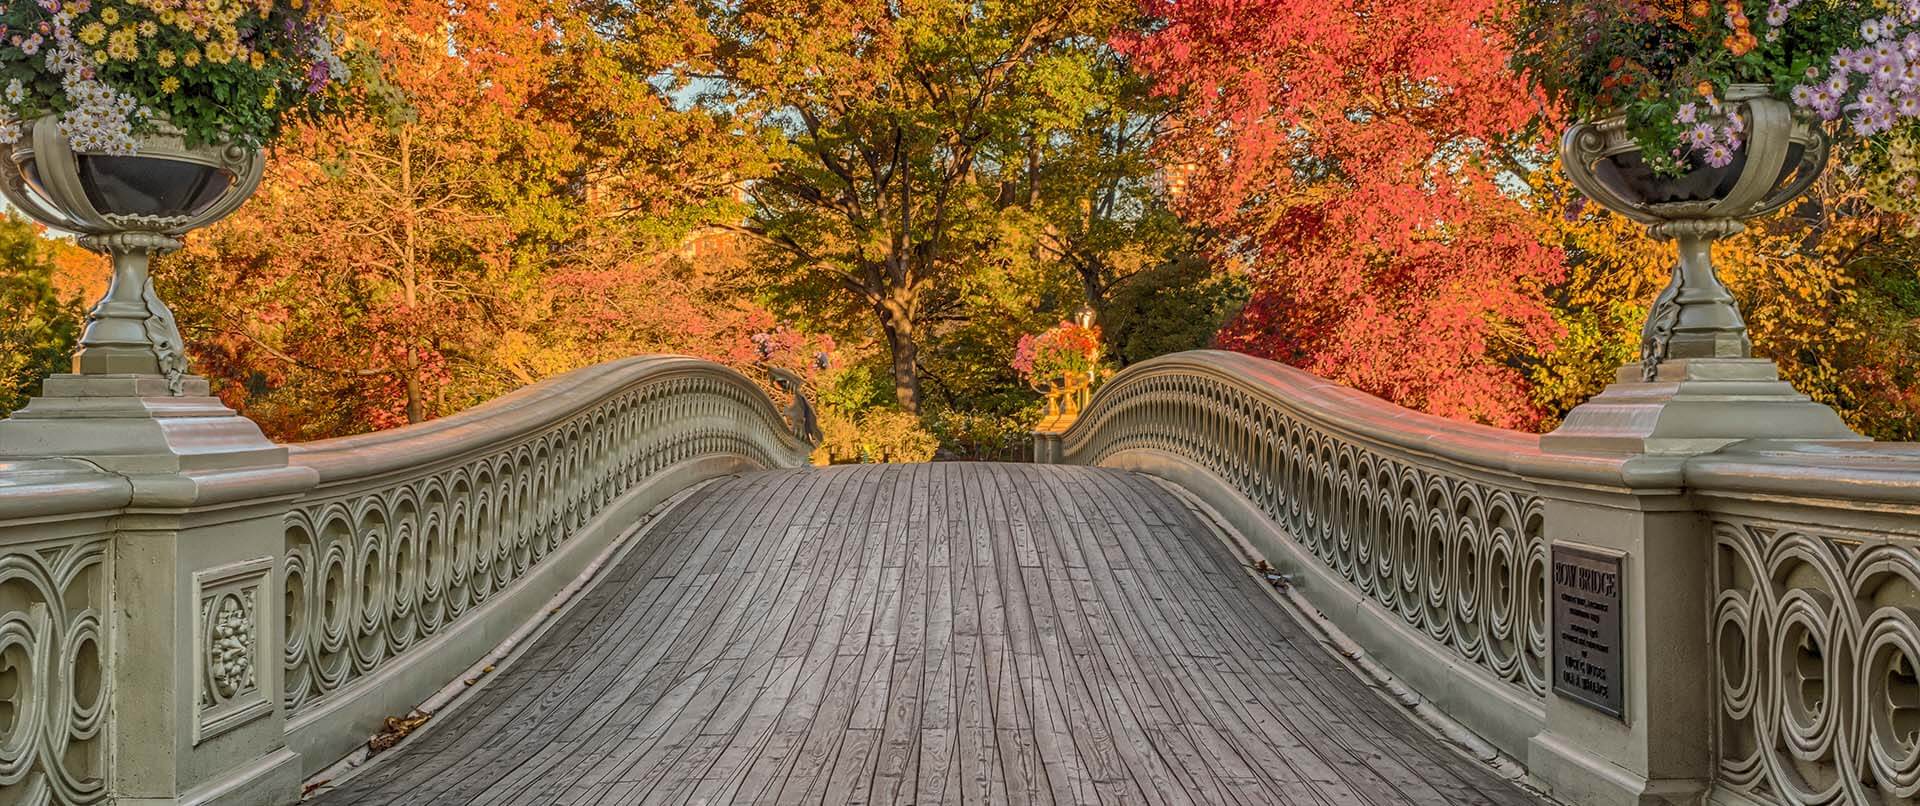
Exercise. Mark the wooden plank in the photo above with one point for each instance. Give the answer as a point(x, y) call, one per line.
point(945, 633)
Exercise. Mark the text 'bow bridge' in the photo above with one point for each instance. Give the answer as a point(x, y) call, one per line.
point(624, 585)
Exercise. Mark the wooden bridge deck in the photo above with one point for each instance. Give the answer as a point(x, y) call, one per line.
point(945, 633)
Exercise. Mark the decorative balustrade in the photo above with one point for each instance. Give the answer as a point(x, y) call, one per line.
point(55, 539)
point(411, 531)
point(1799, 562)
point(1406, 529)
point(1449, 541)
point(376, 568)
point(1816, 620)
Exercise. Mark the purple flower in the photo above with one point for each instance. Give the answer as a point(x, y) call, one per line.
point(1699, 136)
point(1719, 155)
point(1870, 125)
point(1872, 30)
point(1776, 15)
point(317, 76)
point(1689, 112)
point(1825, 106)
point(1837, 85)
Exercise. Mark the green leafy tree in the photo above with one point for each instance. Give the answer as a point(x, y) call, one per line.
point(1178, 305)
point(917, 151)
point(38, 326)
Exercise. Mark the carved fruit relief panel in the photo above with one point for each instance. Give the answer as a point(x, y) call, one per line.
point(227, 641)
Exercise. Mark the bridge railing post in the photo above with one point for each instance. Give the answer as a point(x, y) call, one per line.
point(1629, 710)
point(191, 631)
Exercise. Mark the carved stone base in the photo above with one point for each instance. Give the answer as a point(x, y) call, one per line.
point(1696, 405)
point(134, 424)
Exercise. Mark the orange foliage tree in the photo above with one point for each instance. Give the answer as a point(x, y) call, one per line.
point(507, 197)
point(1387, 180)
point(1363, 158)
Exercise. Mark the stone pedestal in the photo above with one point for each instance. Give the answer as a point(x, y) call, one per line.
point(131, 424)
point(1693, 406)
point(196, 619)
point(1658, 751)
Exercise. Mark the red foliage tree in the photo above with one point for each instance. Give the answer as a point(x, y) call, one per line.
point(1366, 159)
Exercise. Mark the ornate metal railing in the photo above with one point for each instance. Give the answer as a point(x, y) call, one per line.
point(55, 538)
point(1436, 524)
point(211, 627)
point(1807, 603)
point(412, 531)
point(1816, 614)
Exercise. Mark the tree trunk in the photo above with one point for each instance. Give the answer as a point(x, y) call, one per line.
point(416, 408)
point(906, 355)
point(409, 281)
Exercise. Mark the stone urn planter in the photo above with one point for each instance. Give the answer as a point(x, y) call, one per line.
point(1781, 155)
point(130, 208)
point(1697, 387)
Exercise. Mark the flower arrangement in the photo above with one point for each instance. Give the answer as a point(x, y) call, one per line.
point(1062, 350)
point(1665, 65)
point(215, 70)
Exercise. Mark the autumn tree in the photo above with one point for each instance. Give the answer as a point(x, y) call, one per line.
point(915, 147)
point(39, 325)
point(1365, 160)
point(1829, 288)
point(501, 199)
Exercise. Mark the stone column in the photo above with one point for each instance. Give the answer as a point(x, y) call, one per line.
point(1656, 750)
point(194, 632)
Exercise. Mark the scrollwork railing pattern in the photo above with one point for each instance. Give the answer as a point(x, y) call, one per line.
point(1459, 558)
point(375, 569)
point(1817, 641)
point(53, 685)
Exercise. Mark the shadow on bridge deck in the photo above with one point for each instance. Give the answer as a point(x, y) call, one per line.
point(951, 633)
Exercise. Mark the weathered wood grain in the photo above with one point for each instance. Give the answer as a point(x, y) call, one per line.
point(944, 633)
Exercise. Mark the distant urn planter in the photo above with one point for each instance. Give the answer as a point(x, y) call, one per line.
point(1781, 155)
point(130, 208)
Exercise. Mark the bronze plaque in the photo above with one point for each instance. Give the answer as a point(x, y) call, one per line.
point(1587, 592)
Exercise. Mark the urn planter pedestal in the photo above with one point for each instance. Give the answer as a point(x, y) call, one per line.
point(1697, 389)
point(131, 404)
point(1698, 386)
point(195, 626)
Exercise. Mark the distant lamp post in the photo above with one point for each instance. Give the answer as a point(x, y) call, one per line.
point(130, 208)
point(1084, 316)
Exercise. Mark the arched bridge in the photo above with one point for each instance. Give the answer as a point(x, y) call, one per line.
point(624, 585)
point(949, 633)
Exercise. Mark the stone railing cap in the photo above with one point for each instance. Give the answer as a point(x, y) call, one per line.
point(503, 419)
point(1332, 405)
point(1852, 471)
point(40, 488)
